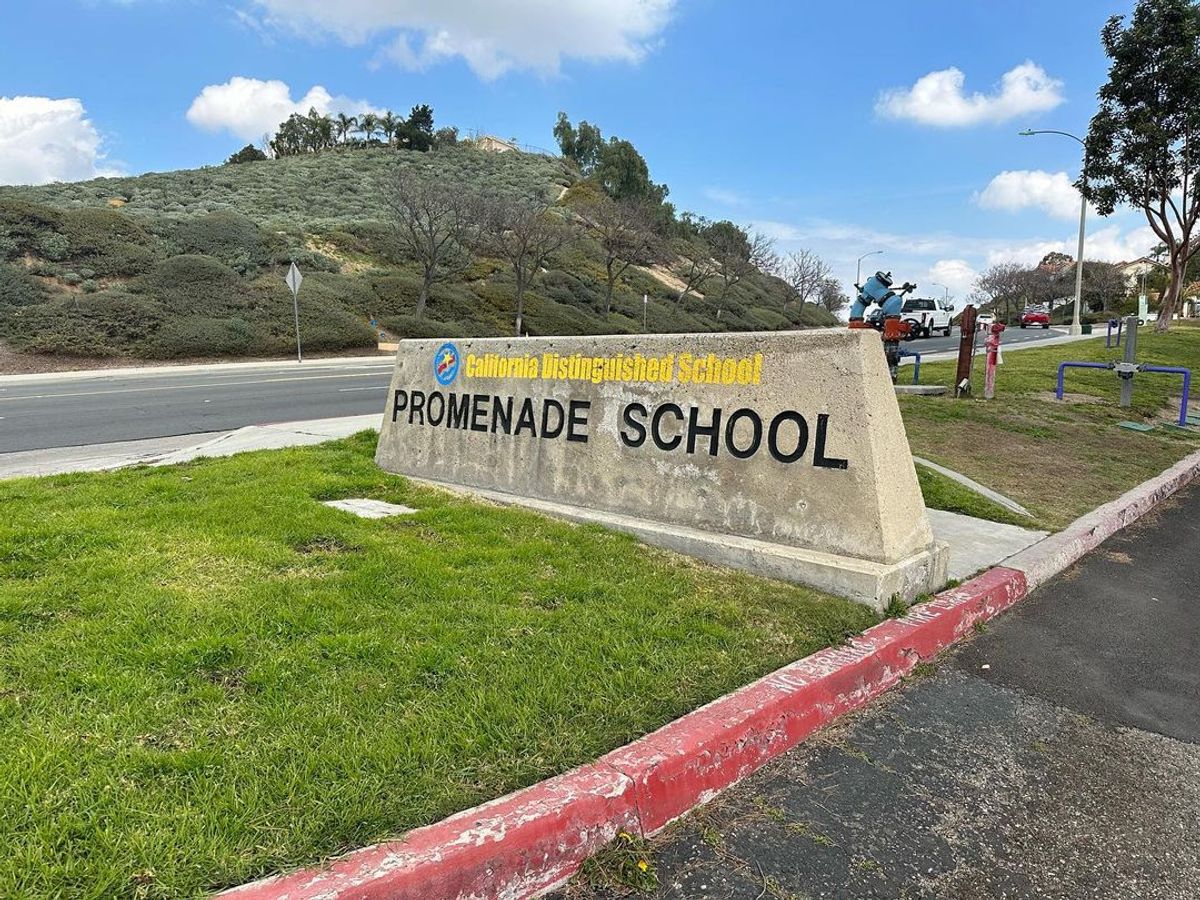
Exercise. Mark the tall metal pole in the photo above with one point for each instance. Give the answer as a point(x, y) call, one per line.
point(1076, 328)
point(858, 271)
point(296, 316)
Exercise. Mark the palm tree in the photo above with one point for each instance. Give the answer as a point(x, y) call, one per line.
point(389, 125)
point(345, 126)
point(368, 124)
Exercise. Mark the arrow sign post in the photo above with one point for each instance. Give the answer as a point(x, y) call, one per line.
point(294, 278)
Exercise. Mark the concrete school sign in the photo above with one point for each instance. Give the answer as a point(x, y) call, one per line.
point(782, 453)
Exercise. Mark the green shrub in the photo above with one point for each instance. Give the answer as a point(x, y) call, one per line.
point(26, 224)
point(72, 278)
point(54, 247)
point(229, 237)
point(90, 286)
point(111, 323)
point(200, 336)
point(309, 260)
point(192, 284)
point(109, 242)
point(17, 288)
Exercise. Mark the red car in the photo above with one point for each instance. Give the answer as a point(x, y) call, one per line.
point(1035, 316)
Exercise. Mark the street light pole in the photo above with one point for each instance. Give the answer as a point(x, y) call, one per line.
point(1076, 328)
point(858, 271)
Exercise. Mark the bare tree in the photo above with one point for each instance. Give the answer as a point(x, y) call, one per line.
point(1103, 283)
point(695, 266)
point(625, 233)
point(523, 233)
point(429, 220)
point(1003, 284)
point(802, 273)
point(738, 253)
point(831, 297)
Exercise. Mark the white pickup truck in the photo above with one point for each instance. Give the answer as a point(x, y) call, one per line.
point(927, 316)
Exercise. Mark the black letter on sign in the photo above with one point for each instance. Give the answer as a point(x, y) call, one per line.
point(479, 413)
point(417, 410)
point(756, 439)
point(639, 436)
point(398, 403)
point(459, 406)
point(502, 414)
point(525, 418)
point(713, 431)
point(773, 436)
point(577, 416)
point(656, 426)
point(435, 419)
point(819, 457)
point(547, 432)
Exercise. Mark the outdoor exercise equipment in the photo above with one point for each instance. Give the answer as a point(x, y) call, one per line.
point(878, 290)
point(1118, 324)
point(1128, 367)
point(916, 357)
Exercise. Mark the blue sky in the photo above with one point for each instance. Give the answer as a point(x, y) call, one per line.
point(841, 127)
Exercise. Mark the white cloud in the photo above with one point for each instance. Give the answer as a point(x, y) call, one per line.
point(44, 140)
point(493, 36)
point(250, 108)
point(956, 274)
point(724, 196)
point(1051, 192)
point(938, 98)
point(1108, 244)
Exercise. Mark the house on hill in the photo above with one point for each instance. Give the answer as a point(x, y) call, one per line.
point(489, 143)
point(1134, 270)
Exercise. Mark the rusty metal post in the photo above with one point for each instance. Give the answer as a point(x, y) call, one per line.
point(966, 351)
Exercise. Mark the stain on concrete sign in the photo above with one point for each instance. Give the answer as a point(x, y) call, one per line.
point(794, 438)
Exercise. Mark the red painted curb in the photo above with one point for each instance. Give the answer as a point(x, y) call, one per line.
point(687, 762)
point(534, 839)
point(513, 847)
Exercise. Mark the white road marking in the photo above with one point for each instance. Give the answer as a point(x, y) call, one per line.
point(377, 387)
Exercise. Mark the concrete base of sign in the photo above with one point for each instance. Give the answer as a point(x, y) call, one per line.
point(863, 581)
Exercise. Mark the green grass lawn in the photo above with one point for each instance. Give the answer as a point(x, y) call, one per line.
point(945, 493)
point(1058, 459)
point(206, 676)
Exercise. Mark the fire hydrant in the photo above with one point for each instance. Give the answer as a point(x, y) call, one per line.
point(992, 346)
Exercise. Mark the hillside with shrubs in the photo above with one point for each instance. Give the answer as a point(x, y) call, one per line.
point(191, 264)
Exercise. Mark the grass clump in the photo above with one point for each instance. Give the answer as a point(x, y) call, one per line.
point(207, 676)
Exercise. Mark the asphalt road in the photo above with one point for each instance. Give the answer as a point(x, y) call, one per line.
point(1055, 755)
point(105, 408)
point(1011, 336)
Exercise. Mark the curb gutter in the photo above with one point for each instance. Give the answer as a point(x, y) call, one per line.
point(535, 839)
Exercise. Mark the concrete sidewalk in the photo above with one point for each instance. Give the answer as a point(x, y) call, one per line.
point(1057, 755)
point(181, 448)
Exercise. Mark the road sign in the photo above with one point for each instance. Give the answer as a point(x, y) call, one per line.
point(294, 279)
